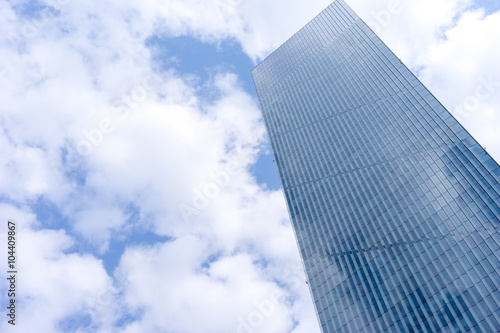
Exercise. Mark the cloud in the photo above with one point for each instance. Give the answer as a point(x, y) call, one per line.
point(230, 294)
point(117, 146)
point(53, 282)
point(410, 28)
point(257, 30)
point(25, 171)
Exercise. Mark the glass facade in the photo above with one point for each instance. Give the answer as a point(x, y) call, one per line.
point(395, 206)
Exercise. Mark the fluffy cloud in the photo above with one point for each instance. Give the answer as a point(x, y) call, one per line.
point(53, 282)
point(227, 295)
point(118, 146)
point(410, 28)
point(252, 23)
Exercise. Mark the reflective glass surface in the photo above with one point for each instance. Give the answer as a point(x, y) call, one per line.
point(394, 205)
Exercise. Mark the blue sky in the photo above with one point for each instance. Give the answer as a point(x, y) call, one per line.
point(136, 163)
point(491, 6)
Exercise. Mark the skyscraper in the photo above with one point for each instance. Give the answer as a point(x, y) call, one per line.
point(395, 207)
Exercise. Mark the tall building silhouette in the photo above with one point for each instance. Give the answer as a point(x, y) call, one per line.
point(395, 206)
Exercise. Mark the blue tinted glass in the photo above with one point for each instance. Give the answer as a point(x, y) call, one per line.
point(395, 206)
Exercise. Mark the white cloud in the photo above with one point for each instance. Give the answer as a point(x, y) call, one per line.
point(252, 23)
point(52, 282)
point(66, 88)
point(410, 28)
point(231, 294)
point(25, 171)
